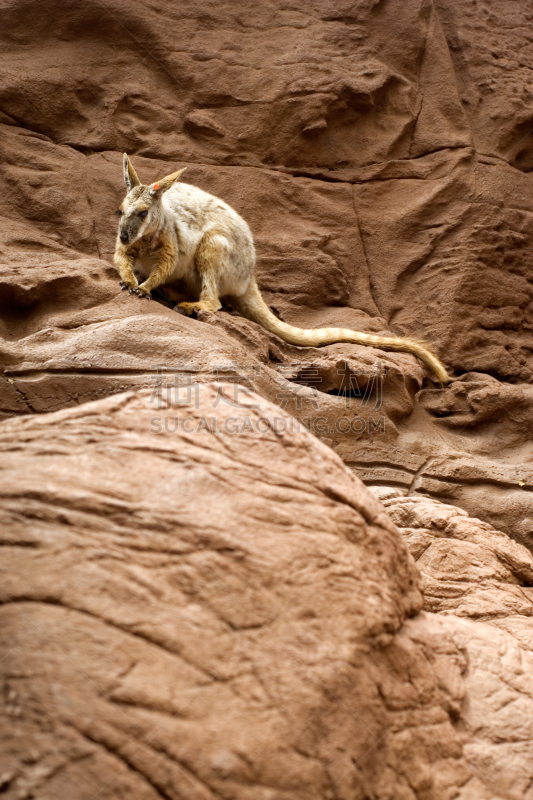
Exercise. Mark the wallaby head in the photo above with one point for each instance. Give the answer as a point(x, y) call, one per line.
point(140, 213)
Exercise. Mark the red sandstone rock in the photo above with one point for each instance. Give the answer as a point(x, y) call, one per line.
point(70, 336)
point(380, 154)
point(208, 613)
point(468, 568)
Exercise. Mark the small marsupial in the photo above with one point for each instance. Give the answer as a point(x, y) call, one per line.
point(171, 231)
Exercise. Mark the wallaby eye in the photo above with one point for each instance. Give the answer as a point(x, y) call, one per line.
point(143, 214)
point(119, 212)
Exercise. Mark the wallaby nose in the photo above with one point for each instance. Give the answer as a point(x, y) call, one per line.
point(123, 237)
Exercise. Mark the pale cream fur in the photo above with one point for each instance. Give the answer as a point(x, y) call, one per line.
point(191, 236)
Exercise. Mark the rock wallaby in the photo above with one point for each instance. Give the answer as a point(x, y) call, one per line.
point(170, 232)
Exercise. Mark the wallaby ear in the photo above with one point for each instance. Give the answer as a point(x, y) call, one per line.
point(165, 183)
point(130, 176)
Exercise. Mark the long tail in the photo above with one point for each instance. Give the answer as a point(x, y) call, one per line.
point(252, 306)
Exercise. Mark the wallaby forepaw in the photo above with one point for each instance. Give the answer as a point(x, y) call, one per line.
point(135, 289)
point(129, 286)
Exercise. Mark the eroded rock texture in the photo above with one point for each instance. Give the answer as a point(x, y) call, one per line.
point(381, 153)
point(218, 612)
point(482, 582)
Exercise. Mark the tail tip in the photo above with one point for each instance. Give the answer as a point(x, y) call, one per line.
point(441, 374)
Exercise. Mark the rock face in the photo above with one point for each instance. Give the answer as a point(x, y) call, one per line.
point(217, 612)
point(468, 568)
point(381, 153)
point(195, 577)
point(483, 583)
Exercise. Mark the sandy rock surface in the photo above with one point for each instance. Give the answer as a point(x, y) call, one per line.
point(196, 613)
point(178, 623)
point(379, 154)
point(482, 582)
point(467, 567)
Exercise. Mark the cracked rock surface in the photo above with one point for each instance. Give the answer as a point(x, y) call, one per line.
point(381, 153)
point(176, 622)
point(381, 157)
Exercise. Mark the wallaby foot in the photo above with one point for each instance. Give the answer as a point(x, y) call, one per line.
point(191, 309)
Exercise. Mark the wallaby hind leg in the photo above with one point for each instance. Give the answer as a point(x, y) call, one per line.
point(173, 294)
point(211, 260)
